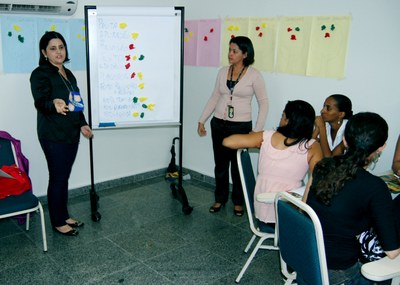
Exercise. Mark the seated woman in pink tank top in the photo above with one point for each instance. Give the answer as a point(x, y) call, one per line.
point(286, 155)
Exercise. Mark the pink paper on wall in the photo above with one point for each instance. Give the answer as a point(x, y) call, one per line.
point(209, 42)
point(190, 42)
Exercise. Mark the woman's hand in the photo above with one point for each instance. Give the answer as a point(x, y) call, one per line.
point(319, 122)
point(61, 106)
point(86, 132)
point(319, 127)
point(201, 130)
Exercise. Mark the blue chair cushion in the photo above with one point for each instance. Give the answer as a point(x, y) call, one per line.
point(6, 153)
point(249, 177)
point(18, 203)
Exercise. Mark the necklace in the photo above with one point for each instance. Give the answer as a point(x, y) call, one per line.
point(69, 85)
point(233, 83)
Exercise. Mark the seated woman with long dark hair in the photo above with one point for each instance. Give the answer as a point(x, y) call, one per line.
point(286, 155)
point(350, 200)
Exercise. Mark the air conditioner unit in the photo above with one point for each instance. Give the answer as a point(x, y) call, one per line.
point(55, 7)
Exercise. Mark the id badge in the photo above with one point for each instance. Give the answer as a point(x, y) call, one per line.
point(231, 111)
point(75, 102)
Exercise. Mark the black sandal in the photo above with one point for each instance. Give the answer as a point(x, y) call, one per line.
point(76, 224)
point(238, 213)
point(214, 209)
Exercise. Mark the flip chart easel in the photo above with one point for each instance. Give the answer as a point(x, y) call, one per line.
point(134, 71)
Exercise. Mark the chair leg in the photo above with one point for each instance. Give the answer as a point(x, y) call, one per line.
point(250, 243)
point(27, 221)
point(289, 277)
point(396, 280)
point(246, 265)
point(43, 227)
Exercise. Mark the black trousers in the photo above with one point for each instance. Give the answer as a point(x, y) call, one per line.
point(225, 157)
point(60, 158)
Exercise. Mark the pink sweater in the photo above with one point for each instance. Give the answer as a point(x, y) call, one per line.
point(251, 83)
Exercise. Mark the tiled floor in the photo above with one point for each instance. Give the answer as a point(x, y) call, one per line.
point(142, 238)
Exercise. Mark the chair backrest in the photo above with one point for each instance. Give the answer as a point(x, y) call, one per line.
point(300, 239)
point(248, 181)
point(6, 152)
point(19, 158)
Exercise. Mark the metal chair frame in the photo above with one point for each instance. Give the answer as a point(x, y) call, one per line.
point(248, 182)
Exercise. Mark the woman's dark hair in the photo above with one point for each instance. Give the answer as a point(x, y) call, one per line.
point(365, 133)
point(343, 103)
point(245, 45)
point(44, 42)
point(301, 116)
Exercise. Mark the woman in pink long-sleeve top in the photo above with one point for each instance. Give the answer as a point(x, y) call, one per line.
point(230, 104)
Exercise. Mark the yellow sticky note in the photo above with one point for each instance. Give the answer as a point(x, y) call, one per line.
point(135, 35)
point(17, 28)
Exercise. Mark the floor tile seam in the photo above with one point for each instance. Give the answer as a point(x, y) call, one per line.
point(157, 272)
point(102, 276)
point(55, 264)
point(96, 279)
point(38, 240)
point(154, 256)
point(246, 230)
point(223, 219)
point(4, 269)
point(20, 232)
point(220, 256)
point(207, 252)
point(78, 244)
point(121, 248)
point(25, 233)
point(163, 253)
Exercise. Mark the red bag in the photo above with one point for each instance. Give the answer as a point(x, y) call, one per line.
point(13, 181)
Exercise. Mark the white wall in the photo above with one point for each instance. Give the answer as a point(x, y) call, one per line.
point(117, 153)
point(371, 81)
point(371, 76)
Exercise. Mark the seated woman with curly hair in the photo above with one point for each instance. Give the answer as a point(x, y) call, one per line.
point(349, 200)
